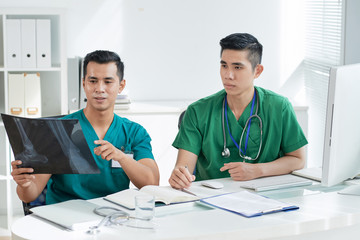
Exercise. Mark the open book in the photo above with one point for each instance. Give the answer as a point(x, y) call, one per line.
point(163, 194)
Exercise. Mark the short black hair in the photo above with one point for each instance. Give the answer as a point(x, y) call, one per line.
point(104, 56)
point(244, 41)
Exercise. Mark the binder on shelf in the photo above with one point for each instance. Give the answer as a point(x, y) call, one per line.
point(83, 98)
point(43, 43)
point(74, 83)
point(32, 95)
point(13, 42)
point(16, 94)
point(28, 43)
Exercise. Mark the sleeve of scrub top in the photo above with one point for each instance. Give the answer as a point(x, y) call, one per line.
point(293, 137)
point(141, 146)
point(189, 136)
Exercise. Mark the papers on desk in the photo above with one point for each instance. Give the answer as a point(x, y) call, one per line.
point(72, 214)
point(247, 204)
point(275, 182)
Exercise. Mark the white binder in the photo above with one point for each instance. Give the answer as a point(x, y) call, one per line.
point(32, 95)
point(43, 43)
point(16, 94)
point(74, 83)
point(13, 42)
point(28, 43)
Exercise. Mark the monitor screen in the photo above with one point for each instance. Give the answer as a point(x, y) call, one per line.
point(341, 158)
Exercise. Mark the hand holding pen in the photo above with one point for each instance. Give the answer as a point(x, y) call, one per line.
point(181, 177)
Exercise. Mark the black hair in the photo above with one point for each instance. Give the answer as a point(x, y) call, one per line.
point(103, 56)
point(244, 41)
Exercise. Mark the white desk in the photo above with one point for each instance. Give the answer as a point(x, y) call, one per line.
point(320, 215)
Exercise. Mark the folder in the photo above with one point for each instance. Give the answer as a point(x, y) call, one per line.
point(74, 83)
point(248, 204)
point(13, 42)
point(28, 43)
point(16, 94)
point(83, 98)
point(75, 214)
point(43, 43)
point(32, 95)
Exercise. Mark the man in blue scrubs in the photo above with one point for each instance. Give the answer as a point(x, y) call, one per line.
point(121, 148)
point(216, 135)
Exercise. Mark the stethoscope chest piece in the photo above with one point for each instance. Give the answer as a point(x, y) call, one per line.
point(225, 153)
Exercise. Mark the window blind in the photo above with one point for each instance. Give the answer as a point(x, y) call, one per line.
point(323, 49)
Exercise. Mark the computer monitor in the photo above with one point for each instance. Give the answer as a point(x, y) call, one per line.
point(341, 156)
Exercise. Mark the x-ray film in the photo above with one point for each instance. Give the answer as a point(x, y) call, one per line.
point(50, 145)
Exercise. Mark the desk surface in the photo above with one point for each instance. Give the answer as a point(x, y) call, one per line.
point(320, 213)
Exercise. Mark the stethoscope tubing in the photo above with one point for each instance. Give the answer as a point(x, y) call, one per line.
point(226, 152)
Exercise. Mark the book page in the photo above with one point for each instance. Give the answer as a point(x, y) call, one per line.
point(125, 198)
point(167, 194)
point(246, 203)
point(203, 192)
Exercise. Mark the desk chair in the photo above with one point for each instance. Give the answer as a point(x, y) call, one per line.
point(179, 124)
point(181, 118)
point(41, 199)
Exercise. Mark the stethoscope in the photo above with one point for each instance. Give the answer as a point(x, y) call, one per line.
point(114, 216)
point(226, 152)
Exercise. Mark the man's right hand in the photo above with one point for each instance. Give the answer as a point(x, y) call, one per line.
point(23, 180)
point(181, 178)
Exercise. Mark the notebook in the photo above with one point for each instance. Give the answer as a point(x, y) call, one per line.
point(72, 215)
point(275, 182)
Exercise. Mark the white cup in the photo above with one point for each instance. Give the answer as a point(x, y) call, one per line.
point(144, 207)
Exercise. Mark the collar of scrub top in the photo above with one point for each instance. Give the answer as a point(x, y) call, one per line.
point(248, 130)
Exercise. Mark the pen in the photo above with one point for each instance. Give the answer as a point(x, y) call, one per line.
point(272, 210)
point(186, 166)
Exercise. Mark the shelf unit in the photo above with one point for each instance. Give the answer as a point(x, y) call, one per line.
point(53, 95)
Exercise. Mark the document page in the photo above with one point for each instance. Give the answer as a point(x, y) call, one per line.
point(247, 204)
point(203, 192)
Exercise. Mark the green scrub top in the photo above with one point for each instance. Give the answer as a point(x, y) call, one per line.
point(123, 134)
point(201, 132)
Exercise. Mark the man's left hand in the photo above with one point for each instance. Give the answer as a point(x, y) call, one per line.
point(241, 171)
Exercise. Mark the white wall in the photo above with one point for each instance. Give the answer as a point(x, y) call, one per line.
point(171, 47)
point(352, 34)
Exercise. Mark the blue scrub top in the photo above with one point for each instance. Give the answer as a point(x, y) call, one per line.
point(123, 134)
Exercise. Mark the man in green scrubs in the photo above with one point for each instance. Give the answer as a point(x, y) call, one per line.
point(217, 139)
point(121, 148)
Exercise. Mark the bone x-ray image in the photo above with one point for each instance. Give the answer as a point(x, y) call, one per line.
point(50, 145)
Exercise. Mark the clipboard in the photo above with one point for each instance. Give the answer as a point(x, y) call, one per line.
point(247, 204)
